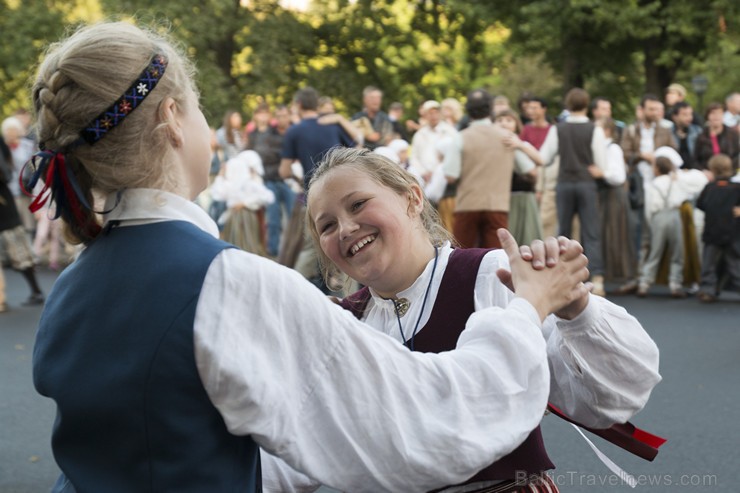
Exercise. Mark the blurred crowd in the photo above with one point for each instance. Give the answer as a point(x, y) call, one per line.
point(655, 200)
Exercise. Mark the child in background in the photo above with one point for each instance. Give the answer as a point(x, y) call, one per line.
point(525, 224)
point(372, 222)
point(239, 184)
point(663, 197)
point(720, 201)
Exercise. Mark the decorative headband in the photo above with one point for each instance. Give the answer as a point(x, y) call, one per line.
point(131, 99)
point(60, 184)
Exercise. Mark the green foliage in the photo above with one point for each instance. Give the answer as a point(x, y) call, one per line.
point(249, 51)
point(25, 29)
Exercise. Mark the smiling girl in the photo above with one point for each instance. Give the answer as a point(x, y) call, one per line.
point(373, 224)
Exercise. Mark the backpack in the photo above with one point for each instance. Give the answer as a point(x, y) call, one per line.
point(636, 188)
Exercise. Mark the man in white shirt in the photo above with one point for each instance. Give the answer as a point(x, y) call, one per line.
point(427, 152)
point(580, 144)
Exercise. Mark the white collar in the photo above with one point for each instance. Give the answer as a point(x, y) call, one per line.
point(144, 205)
point(415, 292)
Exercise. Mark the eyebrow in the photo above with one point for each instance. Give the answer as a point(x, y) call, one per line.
point(344, 199)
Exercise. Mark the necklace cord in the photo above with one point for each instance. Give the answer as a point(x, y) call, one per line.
point(423, 305)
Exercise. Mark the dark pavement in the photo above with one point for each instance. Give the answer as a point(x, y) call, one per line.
point(695, 407)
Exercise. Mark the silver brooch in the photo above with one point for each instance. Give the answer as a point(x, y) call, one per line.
point(402, 306)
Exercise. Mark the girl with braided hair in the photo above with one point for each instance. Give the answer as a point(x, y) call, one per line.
point(172, 356)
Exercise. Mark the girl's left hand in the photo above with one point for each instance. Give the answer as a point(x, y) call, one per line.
point(545, 254)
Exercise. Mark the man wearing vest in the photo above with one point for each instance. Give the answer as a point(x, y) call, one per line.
point(579, 143)
point(481, 166)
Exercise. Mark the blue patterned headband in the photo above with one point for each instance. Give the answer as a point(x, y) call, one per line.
point(131, 99)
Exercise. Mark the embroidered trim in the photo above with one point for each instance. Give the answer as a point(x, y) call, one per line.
point(131, 99)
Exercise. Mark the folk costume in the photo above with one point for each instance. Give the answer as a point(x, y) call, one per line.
point(171, 356)
point(603, 364)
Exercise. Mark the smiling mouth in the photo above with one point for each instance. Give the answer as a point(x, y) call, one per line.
point(361, 244)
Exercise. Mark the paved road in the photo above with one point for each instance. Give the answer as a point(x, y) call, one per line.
point(695, 406)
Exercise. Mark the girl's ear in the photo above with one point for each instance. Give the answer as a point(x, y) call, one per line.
point(169, 116)
point(416, 199)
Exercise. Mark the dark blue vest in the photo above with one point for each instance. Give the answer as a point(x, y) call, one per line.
point(115, 351)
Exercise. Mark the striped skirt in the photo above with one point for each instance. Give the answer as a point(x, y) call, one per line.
point(538, 483)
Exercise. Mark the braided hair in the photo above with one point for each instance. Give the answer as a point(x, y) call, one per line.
point(82, 76)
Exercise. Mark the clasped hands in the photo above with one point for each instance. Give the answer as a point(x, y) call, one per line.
point(551, 274)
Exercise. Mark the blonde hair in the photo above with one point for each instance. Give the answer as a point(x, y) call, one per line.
point(386, 173)
point(455, 108)
point(81, 77)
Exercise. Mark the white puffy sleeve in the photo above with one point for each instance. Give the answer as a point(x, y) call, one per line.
point(603, 365)
point(349, 406)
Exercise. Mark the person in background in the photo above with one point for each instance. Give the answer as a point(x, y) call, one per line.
point(395, 115)
point(480, 164)
point(401, 148)
point(524, 216)
point(639, 143)
point(240, 185)
point(424, 156)
point(452, 112)
point(685, 132)
point(601, 109)
point(663, 197)
point(535, 133)
point(720, 201)
point(619, 253)
point(14, 241)
point(731, 117)
point(21, 150)
point(675, 94)
point(306, 143)
point(380, 128)
point(500, 103)
point(521, 106)
point(717, 138)
point(580, 144)
point(267, 141)
point(231, 141)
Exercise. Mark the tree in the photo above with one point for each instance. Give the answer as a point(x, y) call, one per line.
point(26, 29)
point(625, 47)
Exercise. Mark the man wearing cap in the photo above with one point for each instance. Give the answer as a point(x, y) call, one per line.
point(481, 165)
point(427, 149)
point(425, 158)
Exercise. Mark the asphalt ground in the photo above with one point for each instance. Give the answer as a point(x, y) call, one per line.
point(695, 406)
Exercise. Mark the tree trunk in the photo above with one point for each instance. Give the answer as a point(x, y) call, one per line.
point(657, 77)
point(572, 74)
point(653, 84)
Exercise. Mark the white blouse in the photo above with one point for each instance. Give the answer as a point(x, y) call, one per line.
point(347, 405)
point(603, 365)
point(615, 173)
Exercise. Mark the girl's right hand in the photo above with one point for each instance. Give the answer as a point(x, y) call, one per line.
point(552, 288)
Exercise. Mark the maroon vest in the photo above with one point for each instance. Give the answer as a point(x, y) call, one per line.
point(453, 306)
